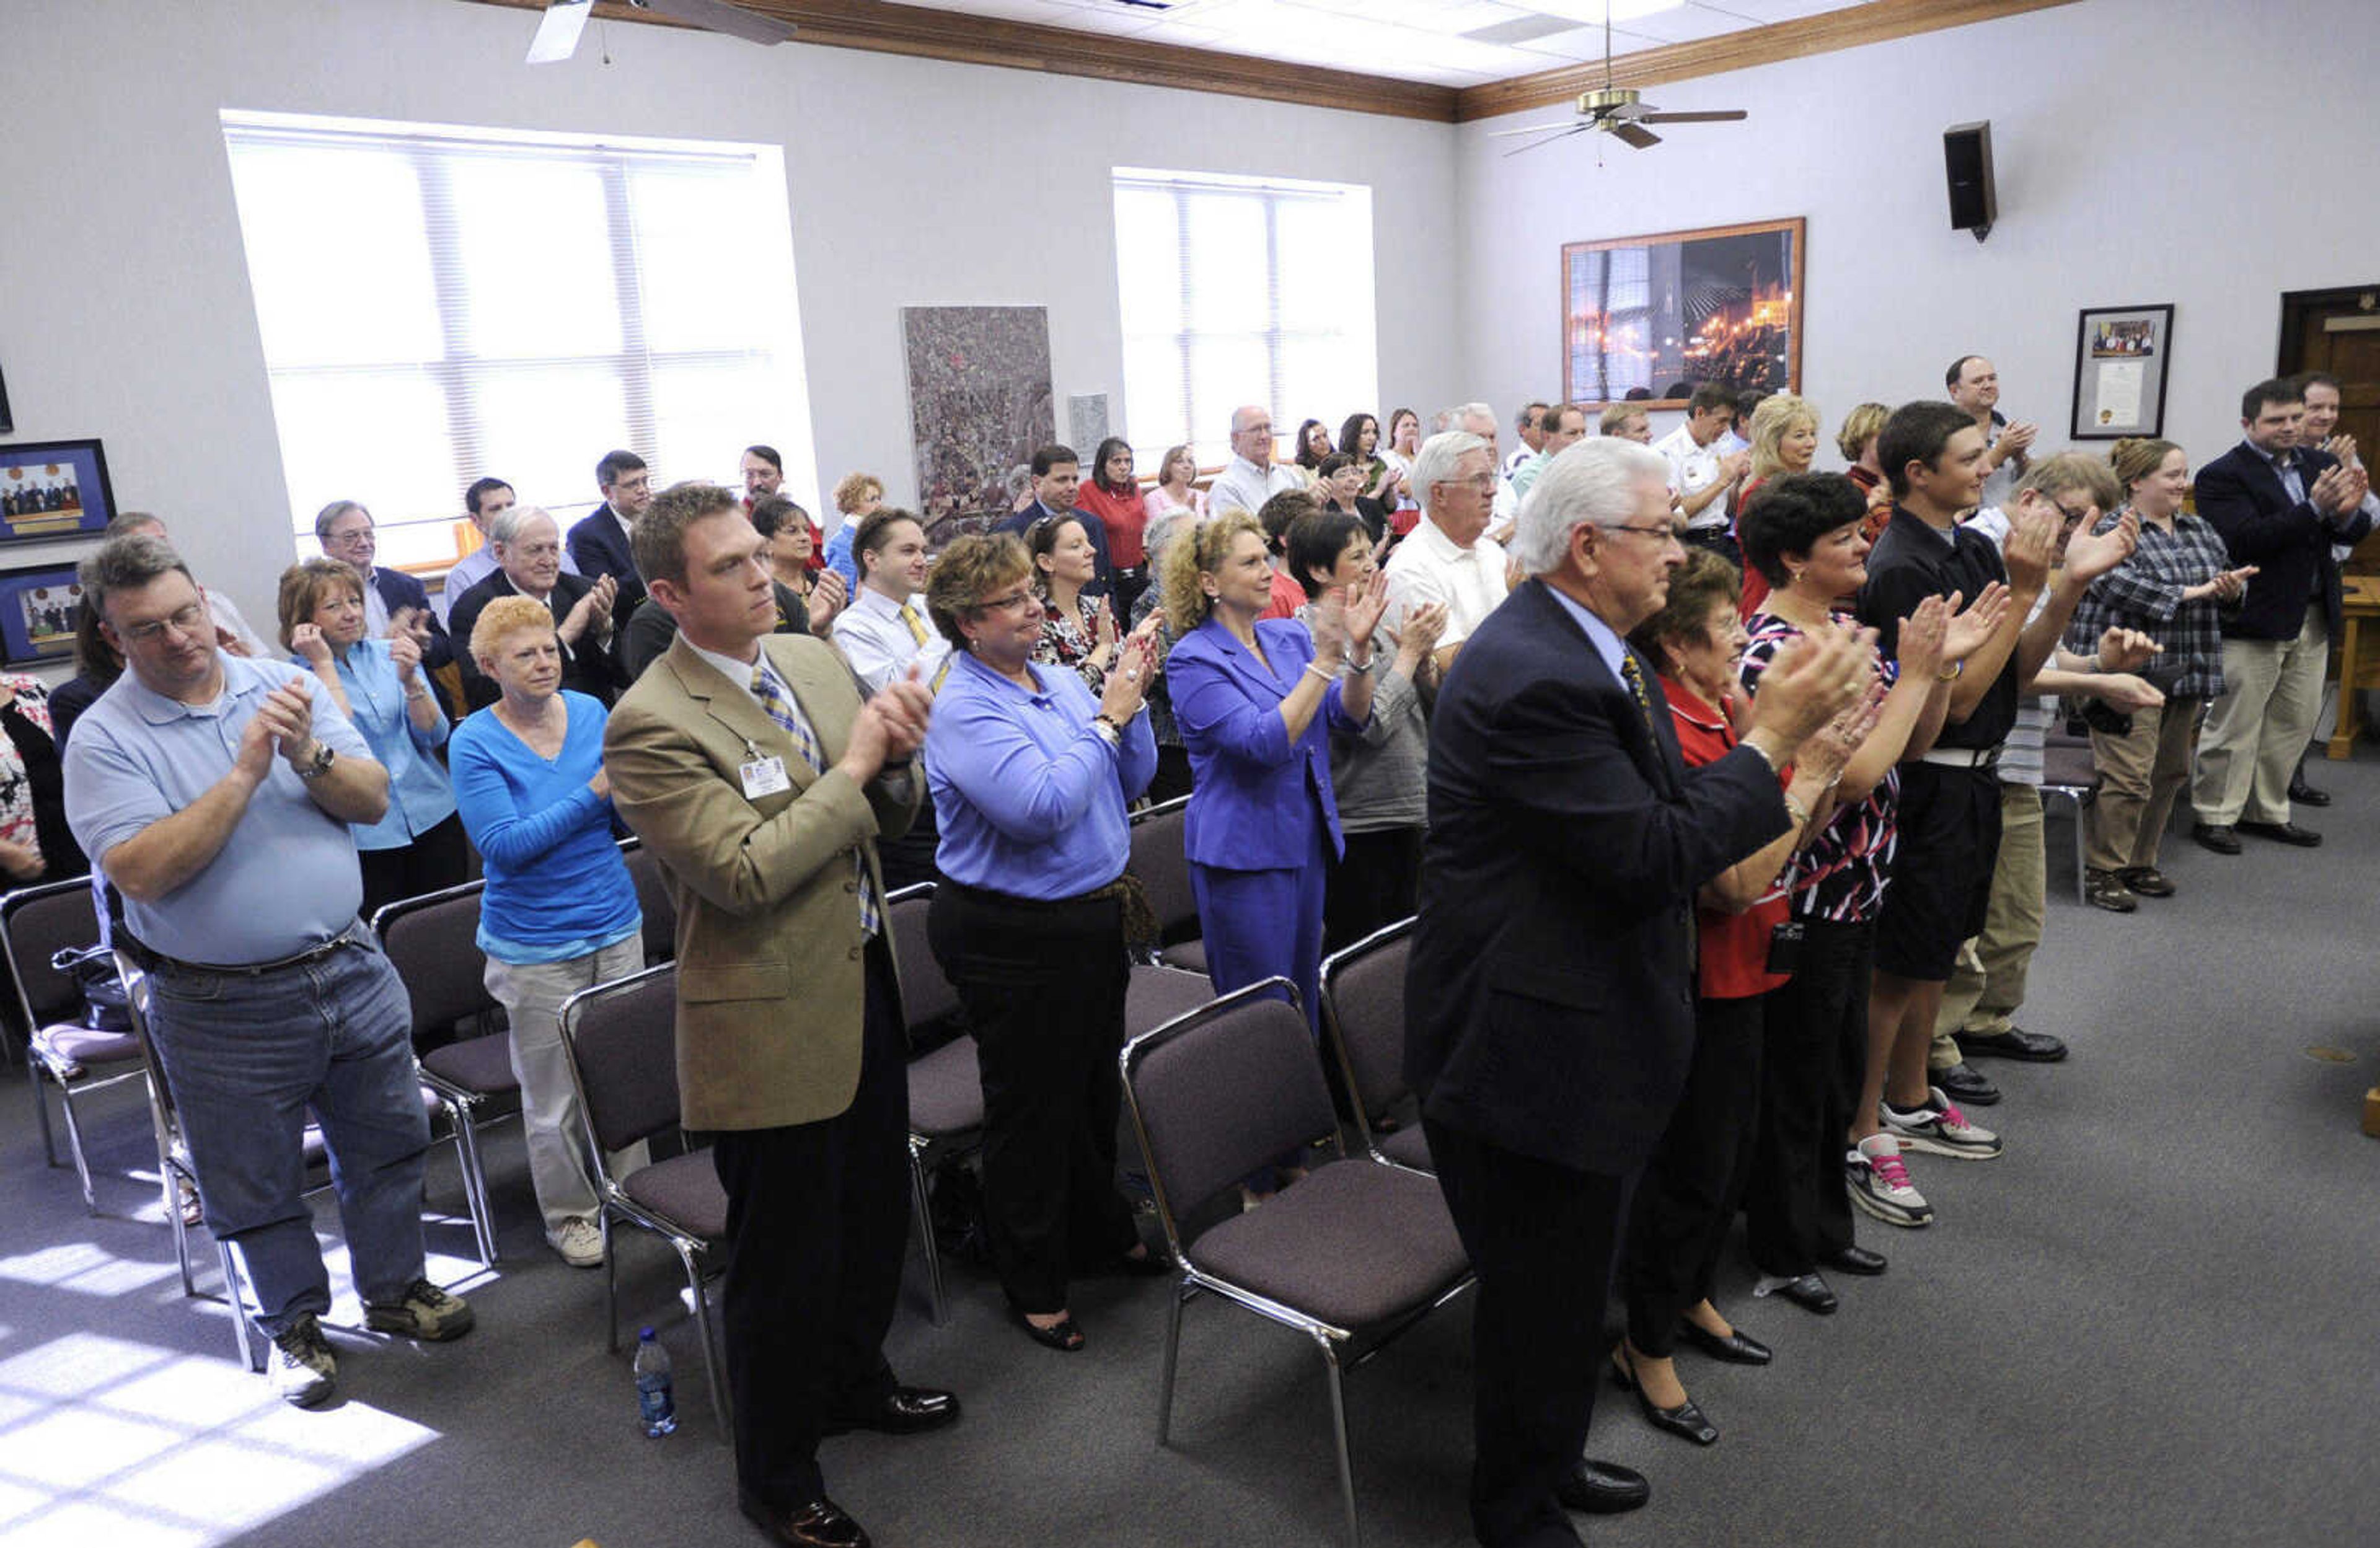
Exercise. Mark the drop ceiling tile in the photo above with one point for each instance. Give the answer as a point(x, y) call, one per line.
point(1584, 44)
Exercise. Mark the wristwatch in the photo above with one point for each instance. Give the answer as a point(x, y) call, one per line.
point(319, 765)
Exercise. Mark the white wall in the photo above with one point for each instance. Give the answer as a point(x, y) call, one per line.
point(911, 182)
point(2197, 152)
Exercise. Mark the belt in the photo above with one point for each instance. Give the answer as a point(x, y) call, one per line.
point(156, 961)
point(1962, 758)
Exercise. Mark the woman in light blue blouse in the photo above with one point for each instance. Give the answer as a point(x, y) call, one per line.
point(417, 846)
point(1031, 777)
point(560, 910)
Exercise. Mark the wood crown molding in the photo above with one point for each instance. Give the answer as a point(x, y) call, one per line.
point(1878, 21)
point(883, 27)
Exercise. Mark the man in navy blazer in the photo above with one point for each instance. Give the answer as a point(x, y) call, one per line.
point(2279, 507)
point(598, 542)
point(1057, 474)
point(1550, 994)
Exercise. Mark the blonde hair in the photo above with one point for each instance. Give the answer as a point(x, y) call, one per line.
point(1861, 426)
point(302, 588)
point(503, 616)
point(1200, 550)
point(1616, 414)
point(2135, 458)
point(1776, 419)
point(854, 489)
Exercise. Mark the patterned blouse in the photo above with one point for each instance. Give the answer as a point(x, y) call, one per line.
point(1841, 874)
point(32, 798)
point(1070, 641)
point(2144, 593)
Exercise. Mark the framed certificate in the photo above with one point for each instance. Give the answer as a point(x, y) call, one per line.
point(2120, 354)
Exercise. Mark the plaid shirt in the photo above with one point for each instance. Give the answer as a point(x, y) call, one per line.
point(2144, 593)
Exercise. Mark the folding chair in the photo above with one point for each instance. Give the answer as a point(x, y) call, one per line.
point(653, 900)
point(2068, 774)
point(36, 922)
point(623, 1042)
point(1364, 1016)
point(432, 941)
point(1160, 858)
point(945, 1084)
point(1352, 1255)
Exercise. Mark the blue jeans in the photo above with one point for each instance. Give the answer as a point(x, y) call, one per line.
point(246, 1056)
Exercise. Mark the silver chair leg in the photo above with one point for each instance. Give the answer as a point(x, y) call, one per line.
point(1181, 1292)
point(475, 1181)
point(712, 1363)
point(611, 1285)
point(252, 1348)
point(1339, 1439)
point(41, 1105)
point(922, 1207)
point(181, 1231)
point(74, 1148)
point(2082, 811)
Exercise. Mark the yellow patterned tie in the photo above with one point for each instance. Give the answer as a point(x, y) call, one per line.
point(778, 703)
point(1635, 676)
point(916, 624)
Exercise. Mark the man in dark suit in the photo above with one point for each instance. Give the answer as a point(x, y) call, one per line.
point(529, 563)
point(600, 543)
point(1552, 991)
point(1057, 474)
point(750, 767)
point(2279, 507)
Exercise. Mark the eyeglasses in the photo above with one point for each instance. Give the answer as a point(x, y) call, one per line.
point(184, 621)
point(1668, 532)
point(1009, 603)
point(1485, 483)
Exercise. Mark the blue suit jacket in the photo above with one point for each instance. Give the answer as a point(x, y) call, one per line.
point(1022, 523)
point(598, 547)
point(2288, 541)
point(398, 590)
point(1249, 801)
point(1550, 996)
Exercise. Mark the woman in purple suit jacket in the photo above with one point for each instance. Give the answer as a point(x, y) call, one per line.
point(1255, 703)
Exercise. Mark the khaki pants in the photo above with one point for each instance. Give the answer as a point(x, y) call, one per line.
point(1987, 981)
point(2141, 774)
point(2258, 729)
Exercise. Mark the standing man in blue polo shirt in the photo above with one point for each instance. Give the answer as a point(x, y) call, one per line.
point(215, 794)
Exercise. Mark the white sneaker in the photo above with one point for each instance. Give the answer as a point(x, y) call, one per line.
point(303, 1368)
point(1880, 1185)
point(1940, 1128)
point(581, 1243)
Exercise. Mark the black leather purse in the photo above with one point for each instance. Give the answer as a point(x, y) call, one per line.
point(105, 1006)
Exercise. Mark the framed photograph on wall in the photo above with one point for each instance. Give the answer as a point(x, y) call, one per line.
point(2121, 355)
point(54, 489)
point(38, 609)
point(1649, 319)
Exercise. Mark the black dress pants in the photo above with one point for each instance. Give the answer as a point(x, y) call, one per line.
point(1043, 984)
point(1540, 1238)
point(818, 1221)
point(1375, 884)
point(1686, 1199)
point(1813, 1053)
point(436, 860)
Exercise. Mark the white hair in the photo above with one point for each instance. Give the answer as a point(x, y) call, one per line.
point(1435, 463)
point(1163, 530)
point(1595, 480)
point(1463, 411)
point(513, 520)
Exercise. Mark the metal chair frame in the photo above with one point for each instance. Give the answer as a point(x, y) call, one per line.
point(1333, 1029)
point(39, 1068)
point(923, 1146)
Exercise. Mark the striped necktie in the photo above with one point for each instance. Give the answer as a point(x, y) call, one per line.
point(777, 704)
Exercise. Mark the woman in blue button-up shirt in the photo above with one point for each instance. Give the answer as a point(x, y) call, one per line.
point(417, 847)
point(1031, 775)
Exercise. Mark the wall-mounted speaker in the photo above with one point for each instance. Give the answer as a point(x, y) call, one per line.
point(1967, 162)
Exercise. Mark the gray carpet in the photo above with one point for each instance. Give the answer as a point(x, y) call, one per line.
point(2149, 1322)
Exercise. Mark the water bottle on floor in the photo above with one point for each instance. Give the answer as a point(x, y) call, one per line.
point(656, 1399)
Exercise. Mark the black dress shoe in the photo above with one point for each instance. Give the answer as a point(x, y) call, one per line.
point(819, 1524)
point(1737, 1349)
point(2146, 880)
point(2033, 1047)
point(1964, 1086)
point(2282, 832)
point(2217, 836)
point(2301, 792)
point(1685, 1420)
point(905, 1410)
point(1855, 1259)
point(1065, 1334)
point(1810, 1294)
point(1603, 1489)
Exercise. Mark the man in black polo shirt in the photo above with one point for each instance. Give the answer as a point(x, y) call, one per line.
point(1950, 815)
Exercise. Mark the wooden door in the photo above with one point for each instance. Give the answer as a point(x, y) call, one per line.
point(2337, 332)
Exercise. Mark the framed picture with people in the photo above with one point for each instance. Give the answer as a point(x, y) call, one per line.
point(1649, 319)
point(39, 608)
point(2121, 355)
point(54, 489)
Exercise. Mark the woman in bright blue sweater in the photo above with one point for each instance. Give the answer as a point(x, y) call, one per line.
point(559, 913)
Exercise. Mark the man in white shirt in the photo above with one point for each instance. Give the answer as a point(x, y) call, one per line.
point(485, 500)
point(1252, 476)
point(1701, 471)
point(1974, 385)
point(1447, 557)
point(886, 628)
point(1562, 426)
point(1477, 418)
point(1531, 424)
point(232, 631)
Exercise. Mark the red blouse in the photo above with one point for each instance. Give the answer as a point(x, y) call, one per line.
point(1123, 515)
point(1734, 945)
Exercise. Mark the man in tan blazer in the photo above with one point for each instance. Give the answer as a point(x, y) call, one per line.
point(752, 770)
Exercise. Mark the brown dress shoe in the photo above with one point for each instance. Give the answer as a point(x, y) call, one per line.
point(819, 1524)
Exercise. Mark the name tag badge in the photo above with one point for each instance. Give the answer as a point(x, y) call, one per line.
point(765, 777)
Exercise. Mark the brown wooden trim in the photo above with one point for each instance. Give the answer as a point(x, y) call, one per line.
point(1878, 21)
point(881, 27)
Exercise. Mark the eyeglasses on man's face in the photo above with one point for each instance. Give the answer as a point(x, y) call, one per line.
point(185, 620)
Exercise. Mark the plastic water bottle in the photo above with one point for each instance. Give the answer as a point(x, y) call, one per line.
point(656, 1398)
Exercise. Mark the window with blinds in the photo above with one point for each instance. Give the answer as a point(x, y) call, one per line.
point(437, 303)
point(1241, 290)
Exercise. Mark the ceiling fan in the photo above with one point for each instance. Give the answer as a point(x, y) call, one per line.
point(557, 31)
point(1617, 111)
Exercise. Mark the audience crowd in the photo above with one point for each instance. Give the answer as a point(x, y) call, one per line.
point(1346, 659)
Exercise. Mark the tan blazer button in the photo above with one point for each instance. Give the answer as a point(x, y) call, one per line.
point(855, 953)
